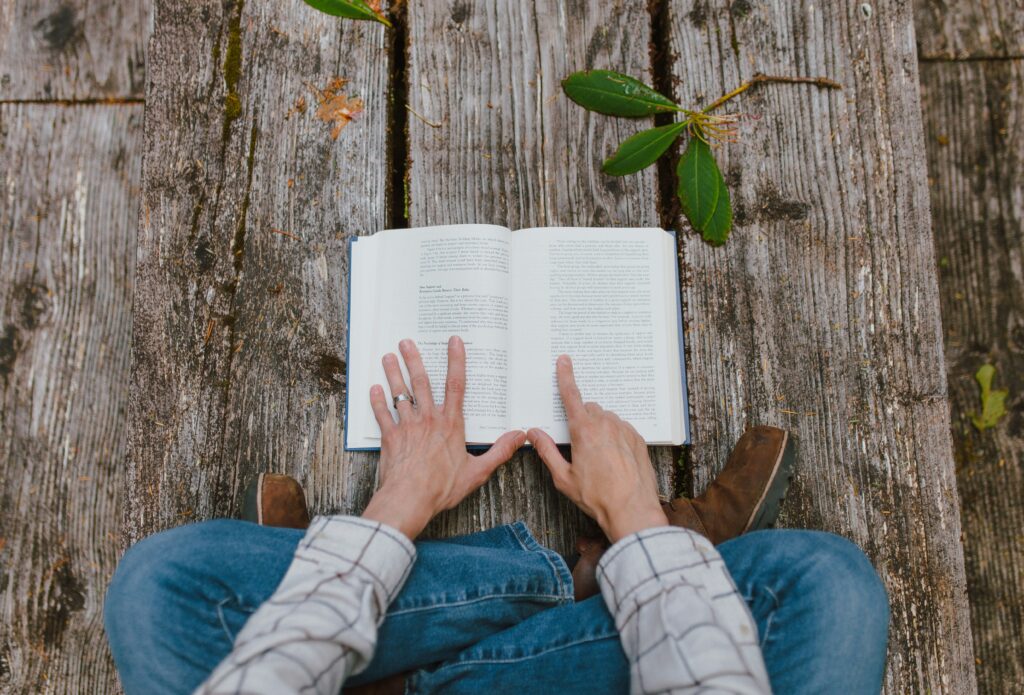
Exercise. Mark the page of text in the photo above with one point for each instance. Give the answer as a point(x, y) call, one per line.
point(431, 283)
point(598, 296)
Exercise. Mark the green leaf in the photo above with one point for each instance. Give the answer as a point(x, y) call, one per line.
point(349, 9)
point(615, 94)
point(642, 150)
point(993, 403)
point(703, 193)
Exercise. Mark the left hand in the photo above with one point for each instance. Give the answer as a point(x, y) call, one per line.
point(424, 465)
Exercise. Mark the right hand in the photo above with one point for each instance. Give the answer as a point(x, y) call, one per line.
point(611, 477)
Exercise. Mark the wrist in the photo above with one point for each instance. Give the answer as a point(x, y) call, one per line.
point(398, 511)
point(630, 520)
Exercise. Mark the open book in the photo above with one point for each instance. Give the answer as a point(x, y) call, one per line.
point(609, 298)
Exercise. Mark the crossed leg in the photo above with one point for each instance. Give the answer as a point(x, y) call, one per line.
point(821, 612)
point(492, 611)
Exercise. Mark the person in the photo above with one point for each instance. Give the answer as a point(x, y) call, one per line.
point(689, 596)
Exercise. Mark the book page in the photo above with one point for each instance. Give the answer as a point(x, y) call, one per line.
point(429, 284)
point(598, 295)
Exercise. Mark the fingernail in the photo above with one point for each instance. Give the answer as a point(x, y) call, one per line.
point(563, 360)
point(406, 343)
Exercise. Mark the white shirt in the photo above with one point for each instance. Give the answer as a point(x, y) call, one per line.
point(684, 627)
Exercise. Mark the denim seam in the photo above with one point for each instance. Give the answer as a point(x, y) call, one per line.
point(412, 682)
point(545, 597)
point(524, 537)
point(558, 567)
point(771, 617)
point(223, 621)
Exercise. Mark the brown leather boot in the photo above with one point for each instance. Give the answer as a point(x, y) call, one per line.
point(584, 572)
point(747, 494)
point(392, 685)
point(744, 497)
point(275, 500)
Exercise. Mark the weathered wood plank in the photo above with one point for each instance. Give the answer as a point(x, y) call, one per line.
point(974, 123)
point(969, 28)
point(73, 49)
point(68, 217)
point(821, 313)
point(247, 205)
point(512, 150)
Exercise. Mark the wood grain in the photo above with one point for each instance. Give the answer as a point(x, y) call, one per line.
point(958, 29)
point(248, 203)
point(973, 107)
point(67, 262)
point(974, 126)
point(821, 313)
point(73, 49)
point(512, 150)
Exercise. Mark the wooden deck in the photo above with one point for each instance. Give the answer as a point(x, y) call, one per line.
point(972, 86)
point(218, 270)
point(71, 88)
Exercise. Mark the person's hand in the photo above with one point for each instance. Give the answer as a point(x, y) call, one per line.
point(611, 477)
point(424, 466)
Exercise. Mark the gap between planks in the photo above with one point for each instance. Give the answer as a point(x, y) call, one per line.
point(106, 101)
point(969, 59)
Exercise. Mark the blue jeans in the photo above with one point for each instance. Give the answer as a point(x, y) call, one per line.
point(491, 612)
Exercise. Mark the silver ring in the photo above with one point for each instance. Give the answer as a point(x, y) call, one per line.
point(403, 397)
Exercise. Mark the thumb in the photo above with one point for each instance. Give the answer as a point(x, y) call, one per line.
point(549, 454)
point(501, 451)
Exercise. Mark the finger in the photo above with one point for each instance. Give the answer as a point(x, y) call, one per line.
point(455, 384)
point(550, 455)
point(501, 451)
point(634, 442)
point(567, 388)
point(380, 409)
point(637, 444)
point(396, 383)
point(417, 374)
point(633, 432)
point(593, 408)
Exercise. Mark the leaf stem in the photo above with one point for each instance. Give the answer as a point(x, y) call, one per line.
point(432, 124)
point(823, 82)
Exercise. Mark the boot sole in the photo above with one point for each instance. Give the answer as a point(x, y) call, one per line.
point(252, 501)
point(767, 509)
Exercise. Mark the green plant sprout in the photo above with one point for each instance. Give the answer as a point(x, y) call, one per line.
point(700, 185)
point(993, 402)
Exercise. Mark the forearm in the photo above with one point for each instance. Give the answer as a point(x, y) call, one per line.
point(682, 623)
point(320, 625)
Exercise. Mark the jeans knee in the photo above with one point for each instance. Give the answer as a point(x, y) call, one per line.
point(146, 575)
point(842, 574)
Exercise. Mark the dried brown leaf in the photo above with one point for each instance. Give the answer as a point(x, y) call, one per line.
point(298, 107)
point(337, 109)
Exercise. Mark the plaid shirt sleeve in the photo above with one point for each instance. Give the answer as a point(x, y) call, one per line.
point(320, 625)
point(683, 625)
